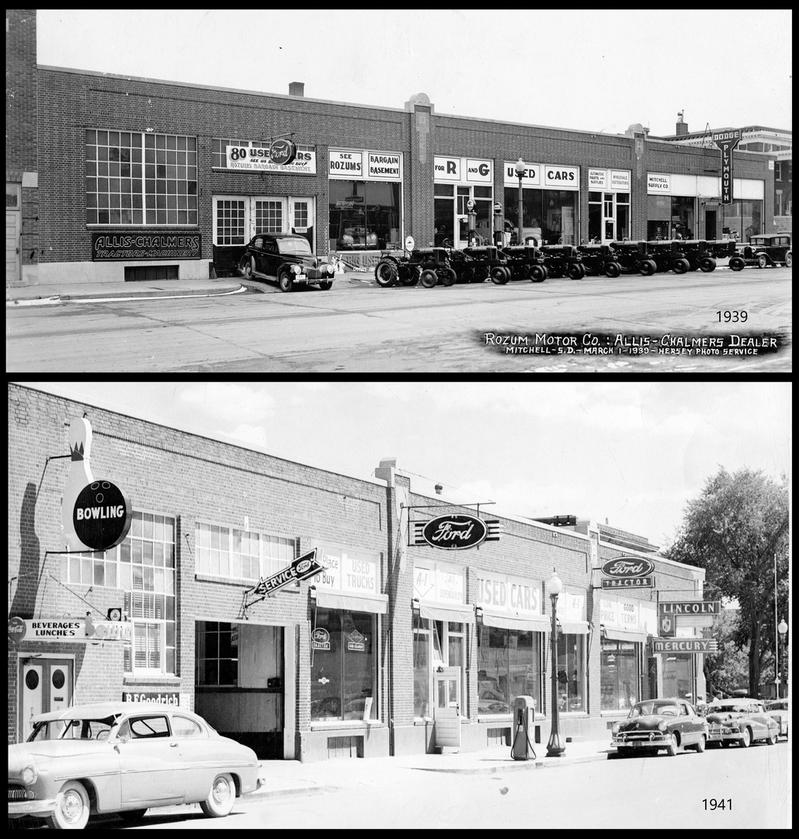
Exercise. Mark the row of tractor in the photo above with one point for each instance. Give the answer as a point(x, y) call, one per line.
point(445, 266)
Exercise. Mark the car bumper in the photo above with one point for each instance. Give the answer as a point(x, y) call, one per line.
point(646, 740)
point(717, 735)
point(41, 807)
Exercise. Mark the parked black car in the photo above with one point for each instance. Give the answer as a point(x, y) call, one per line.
point(286, 258)
point(767, 250)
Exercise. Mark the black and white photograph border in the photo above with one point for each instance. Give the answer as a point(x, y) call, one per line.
point(339, 603)
point(366, 193)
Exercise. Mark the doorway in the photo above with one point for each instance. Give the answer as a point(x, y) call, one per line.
point(13, 230)
point(447, 707)
point(711, 231)
point(45, 685)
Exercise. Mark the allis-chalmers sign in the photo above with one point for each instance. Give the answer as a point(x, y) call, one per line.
point(455, 532)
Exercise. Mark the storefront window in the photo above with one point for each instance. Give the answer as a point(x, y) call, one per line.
point(658, 214)
point(509, 665)
point(571, 673)
point(618, 675)
point(217, 657)
point(421, 672)
point(743, 219)
point(136, 178)
point(683, 222)
point(364, 214)
point(550, 215)
point(671, 217)
point(343, 678)
point(678, 676)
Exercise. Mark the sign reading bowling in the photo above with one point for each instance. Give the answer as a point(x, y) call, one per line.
point(454, 532)
point(101, 516)
point(95, 514)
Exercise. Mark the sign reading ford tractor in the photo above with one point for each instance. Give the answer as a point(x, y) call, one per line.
point(628, 566)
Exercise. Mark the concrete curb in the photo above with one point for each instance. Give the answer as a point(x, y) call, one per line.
point(514, 765)
point(125, 295)
point(290, 791)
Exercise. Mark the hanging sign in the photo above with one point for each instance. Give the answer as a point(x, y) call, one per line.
point(667, 625)
point(69, 630)
point(455, 532)
point(692, 607)
point(685, 645)
point(628, 566)
point(726, 142)
point(302, 568)
point(282, 152)
point(629, 582)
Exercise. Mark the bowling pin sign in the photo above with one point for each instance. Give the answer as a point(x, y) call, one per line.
point(95, 514)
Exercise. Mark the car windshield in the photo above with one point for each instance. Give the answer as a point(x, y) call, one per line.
point(76, 729)
point(782, 705)
point(645, 709)
point(294, 247)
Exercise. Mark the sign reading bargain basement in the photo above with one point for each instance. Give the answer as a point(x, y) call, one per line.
point(131, 244)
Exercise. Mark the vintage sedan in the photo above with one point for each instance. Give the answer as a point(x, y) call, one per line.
point(740, 720)
point(124, 757)
point(288, 259)
point(767, 250)
point(670, 724)
point(778, 708)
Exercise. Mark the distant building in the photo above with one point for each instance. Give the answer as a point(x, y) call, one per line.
point(777, 143)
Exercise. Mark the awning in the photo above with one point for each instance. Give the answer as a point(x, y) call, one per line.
point(453, 612)
point(624, 635)
point(573, 627)
point(377, 603)
point(528, 623)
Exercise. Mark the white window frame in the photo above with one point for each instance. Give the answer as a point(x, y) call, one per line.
point(425, 627)
point(250, 228)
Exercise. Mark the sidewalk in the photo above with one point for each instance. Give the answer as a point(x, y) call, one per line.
point(291, 777)
point(61, 292)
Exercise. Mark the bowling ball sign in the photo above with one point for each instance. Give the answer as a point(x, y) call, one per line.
point(101, 516)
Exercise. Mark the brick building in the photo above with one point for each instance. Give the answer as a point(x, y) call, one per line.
point(363, 659)
point(143, 178)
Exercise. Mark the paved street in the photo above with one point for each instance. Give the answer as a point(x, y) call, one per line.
point(638, 792)
point(358, 327)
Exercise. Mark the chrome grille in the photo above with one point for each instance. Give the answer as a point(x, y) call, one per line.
point(17, 792)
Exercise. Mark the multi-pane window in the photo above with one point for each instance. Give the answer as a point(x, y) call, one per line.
point(230, 222)
point(219, 154)
point(136, 178)
point(217, 657)
point(143, 566)
point(238, 554)
point(269, 216)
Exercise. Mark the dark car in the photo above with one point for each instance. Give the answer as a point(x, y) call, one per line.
point(670, 724)
point(287, 259)
point(767, 250)
point(740, 720)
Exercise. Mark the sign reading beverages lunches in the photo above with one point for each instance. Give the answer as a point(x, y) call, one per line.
point(68, 630)
point(454, 532)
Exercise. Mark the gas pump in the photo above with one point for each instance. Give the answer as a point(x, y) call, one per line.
point(499, 226)
point(472, 216)
point(523, 718)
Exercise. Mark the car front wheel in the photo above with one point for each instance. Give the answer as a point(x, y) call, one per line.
point(772, 739)
point(671, 749)
point(284, 281)
point(72, 807)
point(762, 261)
point(745, 739)
point(221, 798)
point(736, 263)
point(702, 744)
point(326, 285)
point(247, 267)
point(788, 259)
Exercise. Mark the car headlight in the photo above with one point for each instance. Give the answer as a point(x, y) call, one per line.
point(662, 726)
point(295, 269)
point(29, 775)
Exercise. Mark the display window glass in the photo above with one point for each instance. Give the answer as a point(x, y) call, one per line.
point(509, 665)
point(550, 215)
point(364, 215)
point(619, 672)
point(344, 677)
point(678, 675)
point(571, 672)
point(743, 219)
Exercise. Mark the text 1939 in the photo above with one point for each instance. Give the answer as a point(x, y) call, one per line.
point(733, 316)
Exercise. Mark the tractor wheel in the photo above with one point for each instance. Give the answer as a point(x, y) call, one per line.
point(386, 273)
point(448, 276)
point(538, 274)
point(648, 267)
point(499, 275)
point(737, 263)
point(612, 269)
point(681, 266)
point(428, 278)
point(707, 264)
point(576, 271)
point(411, 276)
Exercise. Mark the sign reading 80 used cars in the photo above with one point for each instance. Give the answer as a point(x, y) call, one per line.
point(253, 157)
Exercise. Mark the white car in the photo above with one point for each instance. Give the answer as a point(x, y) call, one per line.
point(125, 757)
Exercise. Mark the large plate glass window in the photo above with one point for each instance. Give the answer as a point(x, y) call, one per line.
point(344, 666)
point(549, 214)
point(509, 665)
point(138, 179)
point(364, 215)
point(571, 672)
point(619, 669)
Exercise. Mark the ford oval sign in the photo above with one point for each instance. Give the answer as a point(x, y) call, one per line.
point(282, 152)
point(454, 533)
point(628, 566)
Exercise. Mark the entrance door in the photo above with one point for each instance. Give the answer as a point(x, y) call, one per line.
point(462, 215)
point(608, 217)
point(711, 231)
point(301, 218)
point(13, 230)
point(447, 686)
point(45, 685)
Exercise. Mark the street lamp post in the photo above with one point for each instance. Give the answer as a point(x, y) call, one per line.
point(555, 747)
point(782, 628)
point(520, 174)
